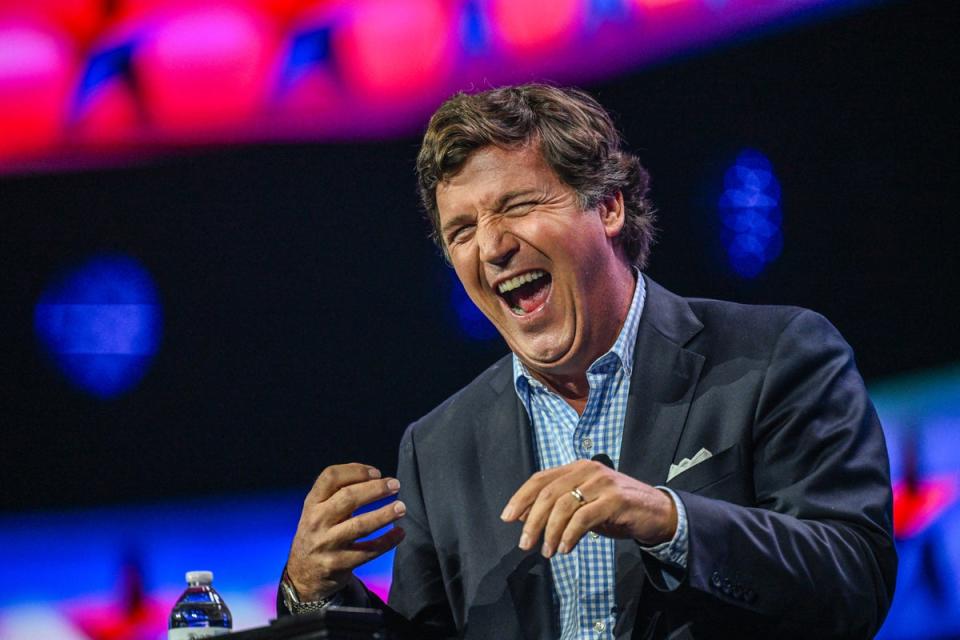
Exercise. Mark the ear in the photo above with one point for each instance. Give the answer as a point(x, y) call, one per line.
point(612, 214)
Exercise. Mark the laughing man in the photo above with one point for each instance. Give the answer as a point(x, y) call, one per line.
point(641, 465)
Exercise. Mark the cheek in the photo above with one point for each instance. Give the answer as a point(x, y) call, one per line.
point(552, 237)
point(469, 278)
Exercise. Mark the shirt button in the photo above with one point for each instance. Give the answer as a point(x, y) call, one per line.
point(594, 535)
point(599, 627)
point(587, 443)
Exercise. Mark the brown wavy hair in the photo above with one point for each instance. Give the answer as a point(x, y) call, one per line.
point(575, 134)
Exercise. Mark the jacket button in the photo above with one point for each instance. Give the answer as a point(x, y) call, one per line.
point(727, 586)
point(715, 579)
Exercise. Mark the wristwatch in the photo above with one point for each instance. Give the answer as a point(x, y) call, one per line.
point(295, 605)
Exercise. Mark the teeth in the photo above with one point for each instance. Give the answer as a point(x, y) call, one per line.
point(513, 283)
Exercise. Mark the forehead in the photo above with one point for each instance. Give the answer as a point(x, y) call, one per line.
point(493, 171)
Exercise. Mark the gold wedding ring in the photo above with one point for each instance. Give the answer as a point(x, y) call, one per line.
point(578, 495)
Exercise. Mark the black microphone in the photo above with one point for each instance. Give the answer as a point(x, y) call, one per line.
point(603, 458)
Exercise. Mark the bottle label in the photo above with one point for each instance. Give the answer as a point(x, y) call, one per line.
point(195, 633)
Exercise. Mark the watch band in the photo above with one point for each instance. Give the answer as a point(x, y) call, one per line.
point(293, 602)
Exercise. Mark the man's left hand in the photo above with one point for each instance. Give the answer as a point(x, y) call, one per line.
point(614, 505)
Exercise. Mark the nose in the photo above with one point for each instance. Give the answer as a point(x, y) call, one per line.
point(496, 245)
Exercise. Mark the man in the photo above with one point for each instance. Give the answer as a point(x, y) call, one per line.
point(743, 487)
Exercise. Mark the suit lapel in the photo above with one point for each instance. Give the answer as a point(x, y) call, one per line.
point(505, 445)
point(662, 385)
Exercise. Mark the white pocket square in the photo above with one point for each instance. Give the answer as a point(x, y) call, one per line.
point(687, 463)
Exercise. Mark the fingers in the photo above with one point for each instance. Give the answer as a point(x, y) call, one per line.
point(546, 505)
point(521, 501)
point(337, 476)
point(584, 519)
point(554, 500)
point(346, 560)
point(563, 510)
point(366, 523)
point(381, 544)
point(348, 499)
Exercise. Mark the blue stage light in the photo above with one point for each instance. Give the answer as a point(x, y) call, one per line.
point(474, 28)
point(750, 211)
point(101, 324)
point(309, 49)
point(472, 322)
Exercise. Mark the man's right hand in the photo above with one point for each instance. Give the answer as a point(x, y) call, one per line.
point(325, 550)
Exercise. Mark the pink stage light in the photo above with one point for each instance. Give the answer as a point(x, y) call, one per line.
point(533, 26)
point(206, 69)
point(81, 19)
point(37, 75)
point(657, 4)
point(389, 50)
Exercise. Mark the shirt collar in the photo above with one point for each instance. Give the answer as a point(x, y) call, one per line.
point(622, 348)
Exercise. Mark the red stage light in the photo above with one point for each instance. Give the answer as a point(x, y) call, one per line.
point(533, 25)
point(313, 97)
point(80, 18)
point(389, 50)
point(37, 76)
point(916, 508)
point(110, 114)
point(281, 9)
point(206, 68)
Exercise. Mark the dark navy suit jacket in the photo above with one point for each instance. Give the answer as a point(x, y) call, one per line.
point(789, 521)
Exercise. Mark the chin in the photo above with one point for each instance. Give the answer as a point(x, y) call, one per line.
point(545, 358)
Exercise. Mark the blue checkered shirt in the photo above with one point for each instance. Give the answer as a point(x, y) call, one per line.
point(583, 580)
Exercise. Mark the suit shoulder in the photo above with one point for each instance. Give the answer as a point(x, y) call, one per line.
point(760, 328)
point(755, 319)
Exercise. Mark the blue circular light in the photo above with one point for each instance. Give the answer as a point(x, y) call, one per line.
point(101, 323)
point(750, 211)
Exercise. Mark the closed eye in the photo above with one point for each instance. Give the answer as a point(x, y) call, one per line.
point(521, 207)
point(460, 234)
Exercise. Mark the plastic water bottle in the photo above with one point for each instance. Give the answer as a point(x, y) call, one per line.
point(200, 612)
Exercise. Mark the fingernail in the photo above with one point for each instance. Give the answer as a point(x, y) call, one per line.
point(563, 548)
point(374, 473)
point(393, 484)
point(525, 542)
point(546, 550)
point(399, 507)
point(507, 513)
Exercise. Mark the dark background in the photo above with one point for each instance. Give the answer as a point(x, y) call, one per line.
point(307, 317)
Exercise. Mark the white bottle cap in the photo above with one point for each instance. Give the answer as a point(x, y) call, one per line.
point(201, 577)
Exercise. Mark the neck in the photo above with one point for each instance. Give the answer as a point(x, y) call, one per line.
point(570, 382)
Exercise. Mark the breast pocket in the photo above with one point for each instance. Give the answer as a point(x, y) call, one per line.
point(710, 471)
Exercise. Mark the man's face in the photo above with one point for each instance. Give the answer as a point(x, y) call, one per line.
point(543, 270)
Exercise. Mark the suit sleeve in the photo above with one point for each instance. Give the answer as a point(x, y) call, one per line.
point(816, 550)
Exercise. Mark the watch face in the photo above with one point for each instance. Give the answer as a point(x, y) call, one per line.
point(289, 595)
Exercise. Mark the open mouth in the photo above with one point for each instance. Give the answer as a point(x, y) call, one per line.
point(526, 292)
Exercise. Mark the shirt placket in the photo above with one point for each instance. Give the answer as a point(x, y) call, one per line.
point(594, 622)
